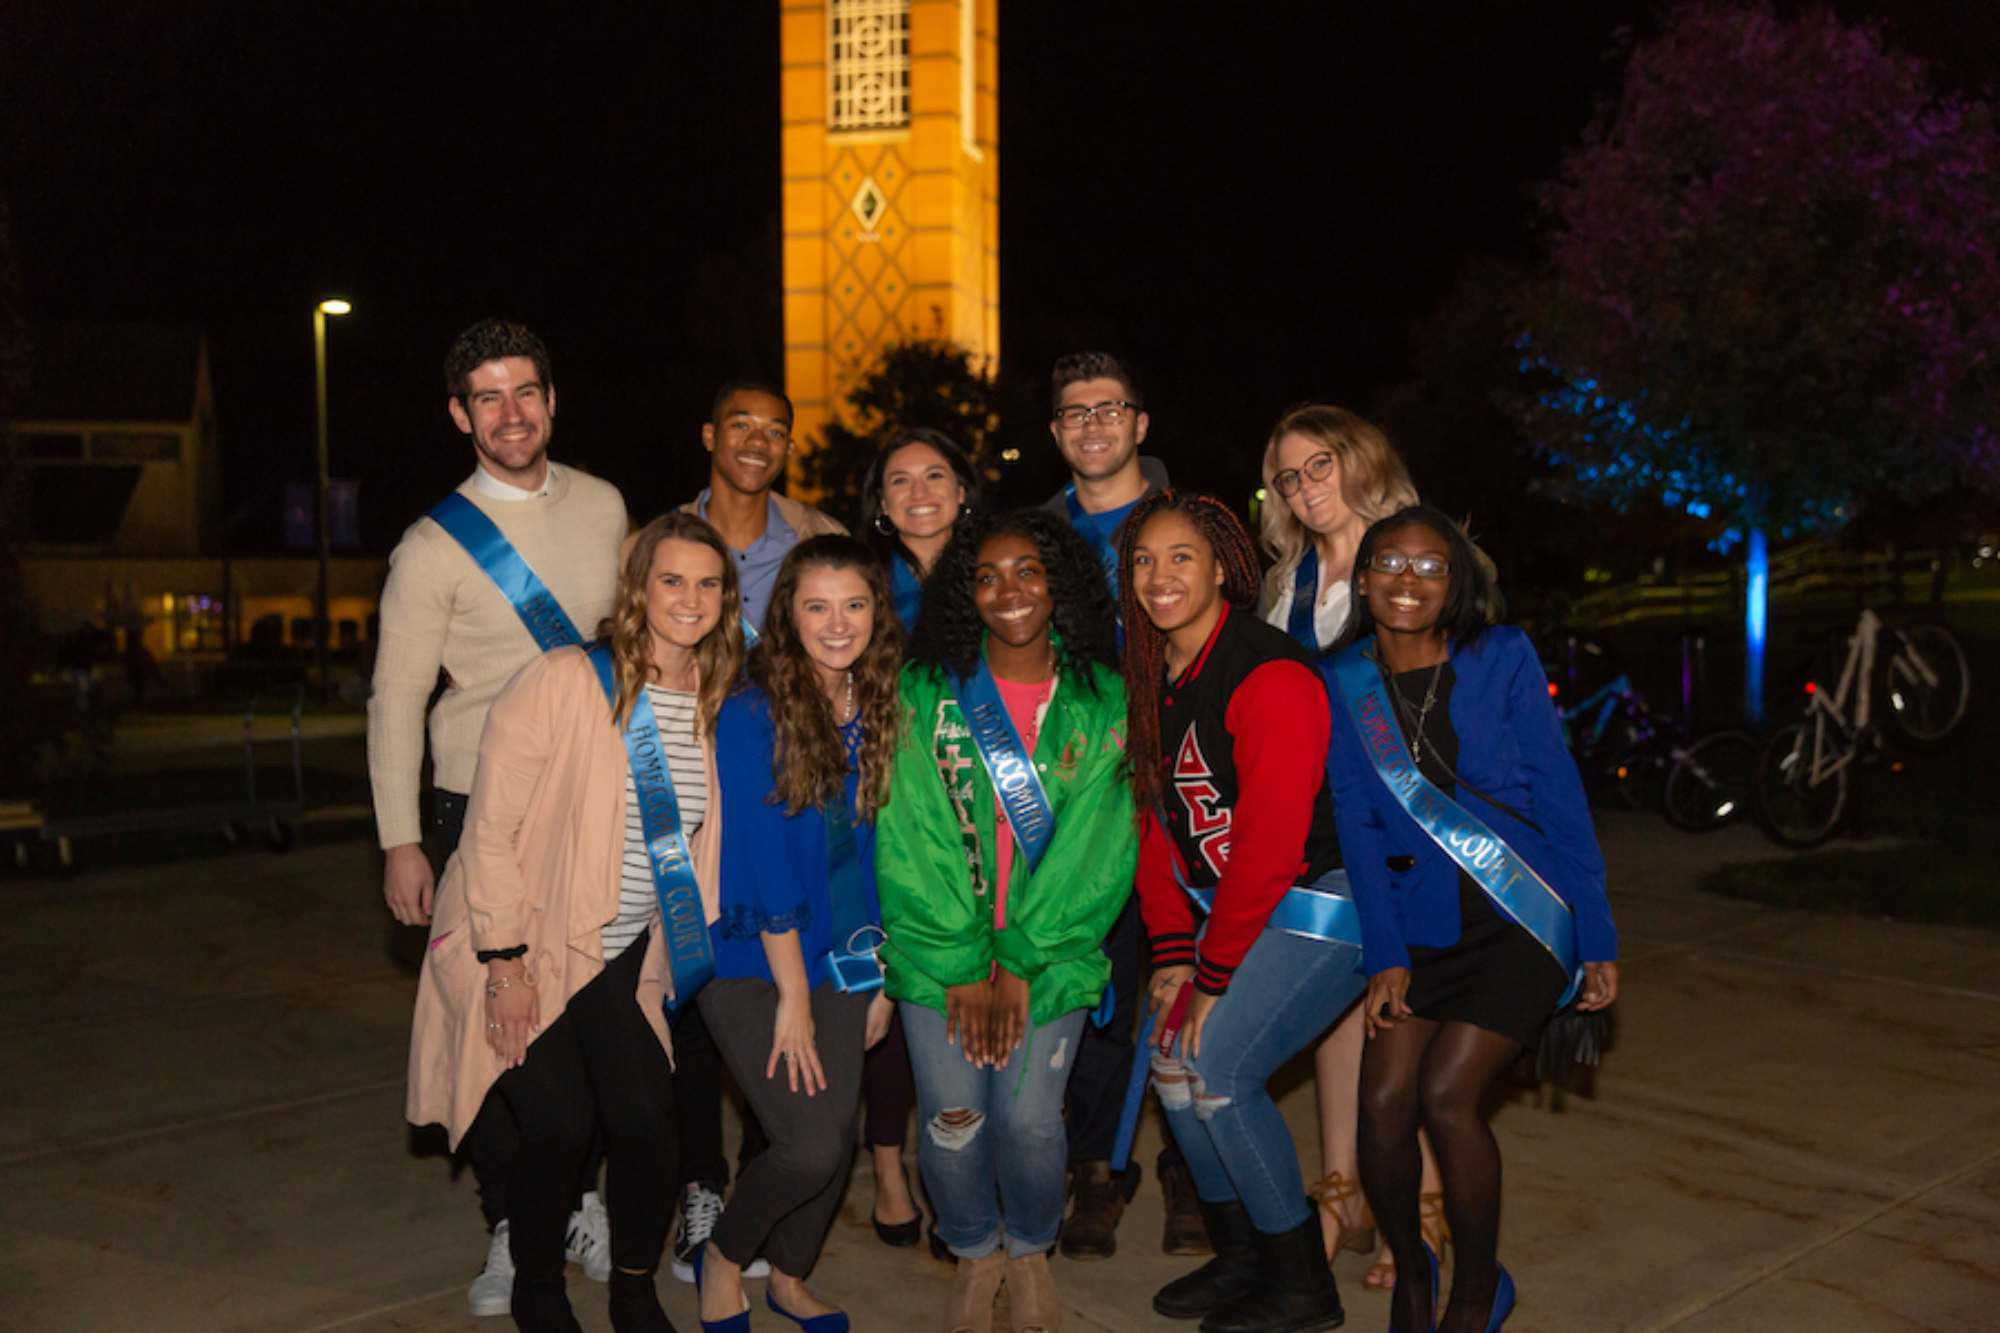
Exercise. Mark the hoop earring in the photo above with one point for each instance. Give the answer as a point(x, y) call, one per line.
point(884, 526)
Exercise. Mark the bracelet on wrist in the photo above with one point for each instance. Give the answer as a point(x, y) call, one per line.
point(494, 985)
point(501, 955)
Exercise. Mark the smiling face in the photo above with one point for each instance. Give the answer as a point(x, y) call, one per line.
point(1010, 590)
point(510, 415)
point(748, 441)
point(1320, 505)
point(1175, 574)
point(683, 594)
point(1094, 450)
point(834, 613)
point(1407, 604)
point(921, 495)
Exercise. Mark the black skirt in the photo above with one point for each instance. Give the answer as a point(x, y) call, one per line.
point(1497, 976)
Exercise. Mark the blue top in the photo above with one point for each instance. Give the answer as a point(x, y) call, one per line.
point(774, 866)
point(1510, 745)
point(1106, 524)
point(757, 566)
point(906, 589)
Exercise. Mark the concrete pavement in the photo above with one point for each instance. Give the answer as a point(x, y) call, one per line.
point(201, 1089)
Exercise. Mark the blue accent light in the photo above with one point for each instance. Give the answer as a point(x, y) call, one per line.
point(1756, 602)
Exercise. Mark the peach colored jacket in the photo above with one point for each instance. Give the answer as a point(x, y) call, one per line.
point(539, 862)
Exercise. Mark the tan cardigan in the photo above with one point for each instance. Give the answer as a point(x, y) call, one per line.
point(539, 862)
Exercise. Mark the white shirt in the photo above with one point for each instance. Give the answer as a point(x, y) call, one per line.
point(1329, 616)
point(493, 488)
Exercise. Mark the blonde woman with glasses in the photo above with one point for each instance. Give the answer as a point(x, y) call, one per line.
point(1328, 474)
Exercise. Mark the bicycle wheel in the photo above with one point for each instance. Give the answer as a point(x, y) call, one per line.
point(1927, 684)
point(1794, 809)
point(1639, 774)
point(1710, 783)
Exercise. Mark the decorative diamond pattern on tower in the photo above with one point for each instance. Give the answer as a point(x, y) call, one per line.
point(869, 204)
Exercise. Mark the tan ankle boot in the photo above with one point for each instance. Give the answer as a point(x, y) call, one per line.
point(970, 1308)
point(1032, 1302)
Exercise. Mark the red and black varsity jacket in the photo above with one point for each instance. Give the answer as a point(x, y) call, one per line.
point(1244, 732)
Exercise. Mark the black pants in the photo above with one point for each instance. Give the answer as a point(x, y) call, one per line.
point(785, 1199)
point(1096, 1096)
point(598, 1068)
point(698, 1083)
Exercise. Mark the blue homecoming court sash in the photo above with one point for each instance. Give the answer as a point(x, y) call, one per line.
point(1307, 910)
point(852, 964)
point(547, 623)
point(1305, 600)
point(1513, 885)
point(1007, 763)
point(683, 924)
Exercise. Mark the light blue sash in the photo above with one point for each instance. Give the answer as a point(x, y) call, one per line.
point(1305, 600)
point(547, 623)
point(851, 965)
point(1513, 885)
point(682, 922)
point(750, 635)
point(1316, 911)
point(1007, 763)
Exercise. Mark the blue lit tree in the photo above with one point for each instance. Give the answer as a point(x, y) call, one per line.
point(1771, 287)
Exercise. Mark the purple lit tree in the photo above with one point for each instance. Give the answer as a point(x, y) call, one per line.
point(1772, 283)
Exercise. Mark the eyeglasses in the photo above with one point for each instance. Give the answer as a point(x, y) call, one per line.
point(1318, 468)
point(1112, 413)
point(1395, 562)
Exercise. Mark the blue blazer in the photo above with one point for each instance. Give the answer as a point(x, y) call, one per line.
point(1509, 744)
point(774, 873)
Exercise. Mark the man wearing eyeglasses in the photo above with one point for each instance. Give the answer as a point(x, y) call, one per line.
point(1099, 421)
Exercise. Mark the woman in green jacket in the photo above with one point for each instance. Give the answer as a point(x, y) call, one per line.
point(996, 894)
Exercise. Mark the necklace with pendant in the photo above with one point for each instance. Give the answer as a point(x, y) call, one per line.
point(847, 708)
point(1423, 714)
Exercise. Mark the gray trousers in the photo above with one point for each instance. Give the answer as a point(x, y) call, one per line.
point(787, 1195)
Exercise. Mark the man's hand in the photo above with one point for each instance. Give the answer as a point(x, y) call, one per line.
point(407, 884)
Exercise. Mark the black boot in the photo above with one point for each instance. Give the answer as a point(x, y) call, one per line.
point(1293, 1291)
point(542, 1306)
point(635, 1305)
point(1230, 1275)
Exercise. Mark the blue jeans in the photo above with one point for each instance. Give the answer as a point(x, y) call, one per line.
point(1286, 992)
point(996, 1173)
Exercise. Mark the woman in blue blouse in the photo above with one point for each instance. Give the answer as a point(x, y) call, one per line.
point(914, 494)
point(802, 759)
point(1457, 985)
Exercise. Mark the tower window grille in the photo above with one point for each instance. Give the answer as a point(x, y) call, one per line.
point(870, 64)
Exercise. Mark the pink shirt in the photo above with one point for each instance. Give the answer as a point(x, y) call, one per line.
point(1023, 701)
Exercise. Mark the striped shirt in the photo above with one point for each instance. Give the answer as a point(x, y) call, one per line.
point(638, 900)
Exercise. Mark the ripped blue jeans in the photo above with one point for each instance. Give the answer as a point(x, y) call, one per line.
point(1285, 994)
point(991, 1142)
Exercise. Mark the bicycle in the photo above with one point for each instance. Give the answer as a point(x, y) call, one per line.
point(1615, 740)
point(1802, 773)
point(1711, 782)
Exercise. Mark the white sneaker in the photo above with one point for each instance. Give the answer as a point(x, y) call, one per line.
point(492, 1292)
point(700, 1208)
point(587, 1243)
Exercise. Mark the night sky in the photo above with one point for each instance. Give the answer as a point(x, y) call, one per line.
point(1256, 209)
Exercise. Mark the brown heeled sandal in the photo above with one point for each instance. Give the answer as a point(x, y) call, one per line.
point(977, 1282)
point(1032, 1303)
point(1381, 1275)
point(1332, 1192)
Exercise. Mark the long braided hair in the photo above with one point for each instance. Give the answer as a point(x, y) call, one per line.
point(1146, 643)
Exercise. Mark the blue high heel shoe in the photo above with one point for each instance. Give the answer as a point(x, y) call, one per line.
point(819, 1323)
point(1431, 1255)
point(1503, 1301)
point(736, 1323)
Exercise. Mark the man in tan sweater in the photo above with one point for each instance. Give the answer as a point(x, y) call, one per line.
point(441, 610)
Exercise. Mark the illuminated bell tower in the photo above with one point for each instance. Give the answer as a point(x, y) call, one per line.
point(891, 187)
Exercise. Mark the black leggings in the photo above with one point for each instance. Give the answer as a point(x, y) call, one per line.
point(597, 1067)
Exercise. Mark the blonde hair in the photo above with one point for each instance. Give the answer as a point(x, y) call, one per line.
point(1373, 482)
point(719, 659)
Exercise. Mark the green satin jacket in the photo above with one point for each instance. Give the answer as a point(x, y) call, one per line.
point(935, 859)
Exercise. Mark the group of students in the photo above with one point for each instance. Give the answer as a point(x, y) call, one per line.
point(874, 812)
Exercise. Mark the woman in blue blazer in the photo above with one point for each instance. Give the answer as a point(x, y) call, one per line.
point(1457, 988)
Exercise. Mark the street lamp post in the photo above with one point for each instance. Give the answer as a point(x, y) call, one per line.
point(322, 621)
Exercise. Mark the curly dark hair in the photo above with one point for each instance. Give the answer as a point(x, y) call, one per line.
point(490, 340)
point(1079, 366)
point(950, 633)
point(1471, 600)
point(888, 545)
point(1146, 645)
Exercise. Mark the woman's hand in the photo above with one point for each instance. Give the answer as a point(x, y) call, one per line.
point(1007, 1017)
point(1165, 984)
point(513, 1011)
point(1383, 1007)
point(1600, 986)
point(965, 1018)
point(881, 1012)
point(792, 1042)
point(1198, 1010)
